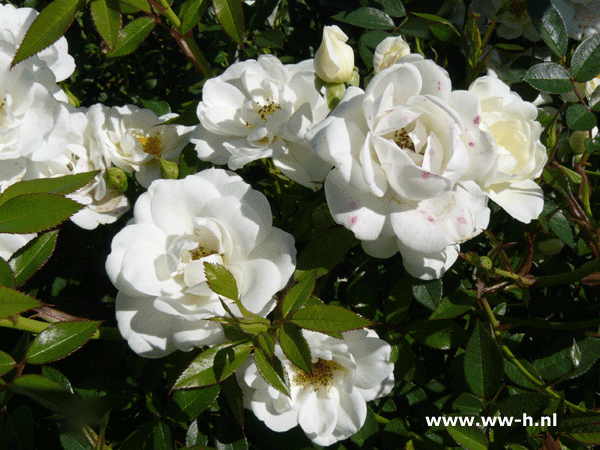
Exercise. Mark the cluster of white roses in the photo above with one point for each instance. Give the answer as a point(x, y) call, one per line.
point(408, 165)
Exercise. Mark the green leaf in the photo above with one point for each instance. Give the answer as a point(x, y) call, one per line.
point(454, 305)
point(327, 249)
point(555, 361)
point(106, 15)
point(298, 294)
point(270, 39)
point(398, 303)
point(471, 438)
point(517, 377)
point(583, 427)
point(441, 334)
point(272, 371)
point(221, 281)
point(366, 17)
point(132, 35)
point(7, 277)
point(193, 401)
point(235, 399)
point(467, 403)
point(60, 185)
point(484, 364)
point(6, 363)
point(295, 347)
point(59, 340)
point(49, 26)
point(328, 318)
point(14, 302)
point(193, 14)
point(530, 403)
point(266, 343)
point(585, 63)
point(33, 213)
point(554, 32)
point(162, 437)
point(46, 392)
point(230, 15)
point(141, 5)
point(579, 118)
point(28, 259)
point(441, 28)
point(559, 224)
point(394, 8)
point(214, 365)
point(549, 77)
point(428, 293)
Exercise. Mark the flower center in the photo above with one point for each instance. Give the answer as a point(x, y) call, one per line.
point(201, 252)
point(265, 110)
point(150, 144)
point(403, 140)
point(322, 374)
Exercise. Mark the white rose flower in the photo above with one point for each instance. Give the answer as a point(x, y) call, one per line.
point(14, 24)
point(399, 150)
point(157, 260)
point(133, 139)
point(389, 51)
point(10, 243)
point(521, 155)
point(329, 404)
point(334, 60)
point(103, 204)
point(33, 123)
point(582, 17)
point(260, 109)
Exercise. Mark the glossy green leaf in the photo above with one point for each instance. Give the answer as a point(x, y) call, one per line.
point(470, 438)
point(270, 39)
point(6, 363)
point(266, 343)
point(221, 281)
point(193, 401)
point(7, 277)
point(33, 213)
point(106, 15)
point(555, 361)
point(517, 377)
point(454, 305)
point(132, 35)
point(328, 318)
point(530, 403)
point(192, 15)
point(579, 118)
point(295, 347)
point(141, 5)
point(214, 365)
point(585, 63)
point(14, 302)
point(559, 224)
point(467, 403)
point(428, 293)
point(366, 17)
point(162, 437)
point(549, 77)
point(46, 392)
point(28, 259)
point(441, 334)
point(298, 294)
point(394, 8)
point(60, 185)
point(49, 26)
point(554, 32)
point(59, 340)
point(230, 15)
point(484, 364)
point(272, 371)
point(583, 427)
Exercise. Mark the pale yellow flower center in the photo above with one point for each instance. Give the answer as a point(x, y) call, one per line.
point(322, 374)
point(266, 110)
point(403, 140)
point(201, 252)
point(150, 144)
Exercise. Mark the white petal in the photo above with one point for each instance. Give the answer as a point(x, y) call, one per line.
point(428, 266)
point(524, 200)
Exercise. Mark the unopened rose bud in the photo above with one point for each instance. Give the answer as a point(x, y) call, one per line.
point(388, 52)
point(116, 179)
point(334, 93)
point(577, 140)
point(334, 60)
point(169, 169)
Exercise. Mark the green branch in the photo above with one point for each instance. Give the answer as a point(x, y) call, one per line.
point(36, 326)
point(569, 277)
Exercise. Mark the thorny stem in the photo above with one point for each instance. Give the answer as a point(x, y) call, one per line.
point(187, 44)
point(513, 359)
point(36, 326)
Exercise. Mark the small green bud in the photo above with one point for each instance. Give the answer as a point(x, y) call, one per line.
point(169, 169)
point(116, 179)
point(334, 93)
point(485, 263)
point(354, 78)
